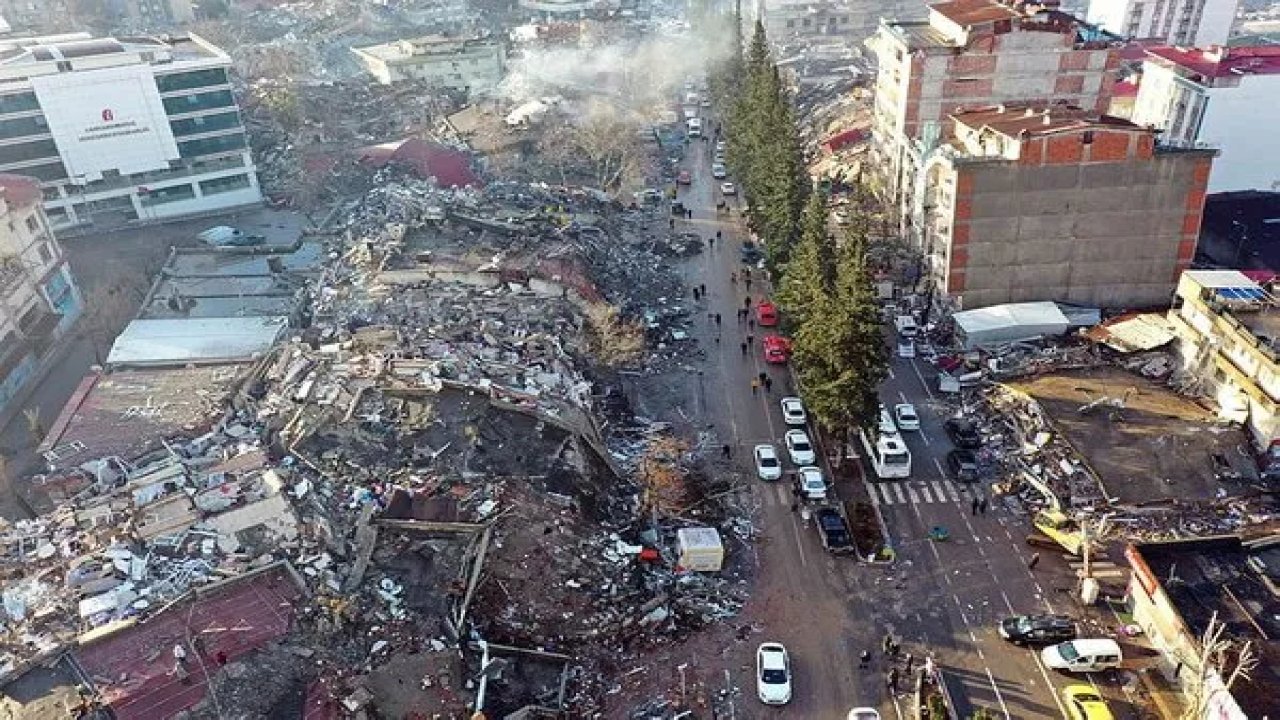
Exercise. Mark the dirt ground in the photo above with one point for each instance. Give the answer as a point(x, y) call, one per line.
point(1157, 447)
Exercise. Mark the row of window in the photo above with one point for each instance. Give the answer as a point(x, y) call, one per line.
point(36, 125)
point(832, 21)
point(27, 102)
point(198, 102)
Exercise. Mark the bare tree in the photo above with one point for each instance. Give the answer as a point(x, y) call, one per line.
point(602, 148)
point(107, 310)
point(615, 342)
point(663, 477)
point(1220, 664)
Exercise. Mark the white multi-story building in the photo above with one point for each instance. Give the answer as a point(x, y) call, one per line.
point(809, 19)
point(123, 129)
point(459, 64)
point(1176, 22)
point(38, 298)
point(1222, 98)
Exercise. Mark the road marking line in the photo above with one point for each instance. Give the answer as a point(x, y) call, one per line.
point(1007, 603)
point(922, 382)
point(938, 465)
point(891, 375)
point(897, 490)
point(781, 493)
point(937, 490)
point(951, 491)
point(795, 529)
point(911, 492)
point(871, 490)
point(897, 710)
point(924, 492)
point(1035, 656)
point(999, 697)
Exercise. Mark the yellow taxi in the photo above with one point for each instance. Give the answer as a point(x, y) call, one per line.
point(1084, 703)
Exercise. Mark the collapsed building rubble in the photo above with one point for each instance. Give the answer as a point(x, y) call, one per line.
point(437, 466)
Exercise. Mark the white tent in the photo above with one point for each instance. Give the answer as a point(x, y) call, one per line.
point(1014, 322)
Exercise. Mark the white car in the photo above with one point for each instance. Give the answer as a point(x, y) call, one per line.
point(773, 674)
point(906, 416)
point(885, 425)
point(812, 485)
point(793, 412)
point(800, 448)
point(721, 146)
point(768, 466)
point(719, 171)
point(728, 188)
point(906, 349)
point(864, 713)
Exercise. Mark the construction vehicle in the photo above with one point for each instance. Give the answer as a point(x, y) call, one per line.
point(1054, 525)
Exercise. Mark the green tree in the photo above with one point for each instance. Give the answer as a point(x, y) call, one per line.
point(867, 351)
point(810, 270)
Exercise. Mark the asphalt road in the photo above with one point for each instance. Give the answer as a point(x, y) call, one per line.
point(940, 599)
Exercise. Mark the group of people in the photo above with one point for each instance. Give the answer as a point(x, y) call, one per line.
point(892, 649)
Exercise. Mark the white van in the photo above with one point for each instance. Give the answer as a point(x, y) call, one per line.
point(695, 127)
point(906, 326)
point(1083, 655)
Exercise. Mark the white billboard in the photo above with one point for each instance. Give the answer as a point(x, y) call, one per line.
point(107, 119)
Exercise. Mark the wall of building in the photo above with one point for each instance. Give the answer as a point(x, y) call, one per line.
point(1114, 234)
point(1237, 120)
point(1196, 23)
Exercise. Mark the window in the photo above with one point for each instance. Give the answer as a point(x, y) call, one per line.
point(199, 101)
point(226, 184)
point(168, 195)
point(45, 254)
point(64, 66)
point(33, 224)
point(191, 80)
point(208, 146)
point(1086, 138)
point(205, 123)
point(18, 102)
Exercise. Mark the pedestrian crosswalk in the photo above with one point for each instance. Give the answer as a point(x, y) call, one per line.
point(912, 492)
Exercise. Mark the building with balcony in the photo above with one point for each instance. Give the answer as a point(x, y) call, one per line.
point(1050, 202)
point(39, 301)
point(973, 53)
point(123, 129)
point(471, 64)
point(1228, 329)
point(1219, 97)
point(1189, 23)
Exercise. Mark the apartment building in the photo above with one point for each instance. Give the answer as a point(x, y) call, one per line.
point(1052, 202)
point(469, 64)
point(1190, 23)
point(1219, 97)
point(39, 301)
point(792, 20)
point(1228, 329)
point(973, 53)
point(152, 13)
point(127, 129)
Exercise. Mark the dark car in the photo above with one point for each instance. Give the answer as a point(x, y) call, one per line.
point(751, 254)
point(834, 531)
point(963, 465)
point(1037, 629)
point(963, 433)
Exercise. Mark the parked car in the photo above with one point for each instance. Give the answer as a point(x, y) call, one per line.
point(1090, 655)
point(1037, 628)
point(768, 466)
point(684, 178)
point(906, 349)
point(751, 253)
point(721, 146)
point(793, 412)
point(963, 465)
point(719, 171)
point(905, 415)
point(773, 674)
point(963, 433)
point(812, 485)
point(728, 188)
point(885, 425)
point(777, 349)
point(767, 314)
point(834, 531)
point(864, 713)
point(799, 447)
point(227, 236)
point(1084, 703)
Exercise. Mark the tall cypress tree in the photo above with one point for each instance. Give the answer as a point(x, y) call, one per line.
point(810, 271)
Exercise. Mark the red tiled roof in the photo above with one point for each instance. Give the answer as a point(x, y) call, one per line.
point(1220, 61)
point(450, 168)
point(20, 190)
point(845, 137)
point(1013, 120)
point(966, 13)
point(1124, 88)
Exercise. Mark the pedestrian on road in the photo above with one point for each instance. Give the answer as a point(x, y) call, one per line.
point(748, 282)
point(695, 294)
point(982, 505)
point(718, 234)
point(744, 348)
point(795, 506)
point(712, 243)
point(180, 653)
point(893, 680)
point(911, 660)
point(973, 506)
point(763, 376)
point(755, 386)
point(672, 223)
point(746, 302)
point(1035, 560)
point(726, 451)
point(746, 272)
point(733, 278)
point(887, 643)
point(768, 384)
point(688, 214)
point(703, 289)
point(864, 660)
point(717, 319)
point(751, 323)
point(751, 339)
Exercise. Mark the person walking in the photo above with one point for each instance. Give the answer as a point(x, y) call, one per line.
point(733, 278)
point(887, 643)
point(726, 451)
point(768, 384)
point(744, 347)
point(748, 282)
point(751, 339)
point(746, 302)
point(751, 323)
point(712, 243)
point(717, 319)
point(864, 660)
point(982, 505)
point(1035, 560)
point(911, 661)
point(893, 680)
point(755, 386)
point(702, 288)
point(795, 506)
point(695, 294)
point(973, 506)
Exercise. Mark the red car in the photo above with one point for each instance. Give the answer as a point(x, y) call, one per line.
point(777, 349)
point(684, 178)
point(767, 314)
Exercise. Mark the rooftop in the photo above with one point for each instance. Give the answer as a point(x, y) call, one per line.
point(177, 341)
point(1015, 120)
point(422, 46)
point(20, 190)
point(1217, 62)
point(70, 46)
point(1235, 582)
point(966, 13)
